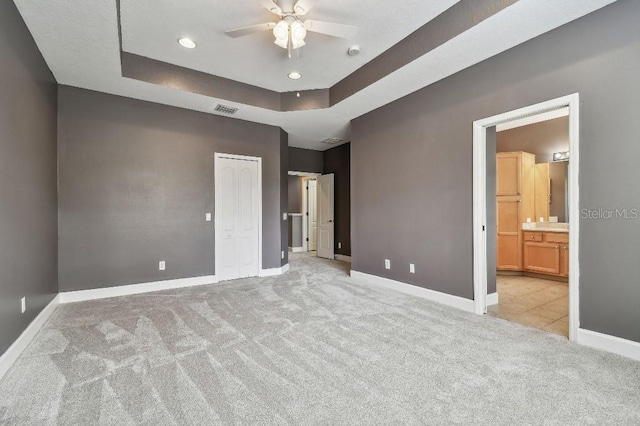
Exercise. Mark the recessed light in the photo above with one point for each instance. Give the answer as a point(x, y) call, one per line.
point(187, 43)
point(295, 75)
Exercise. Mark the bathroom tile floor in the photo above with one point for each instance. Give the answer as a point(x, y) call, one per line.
point(534, 302)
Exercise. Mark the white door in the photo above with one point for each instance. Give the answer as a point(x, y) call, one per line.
point(312, 213)
point(237, 218)
point(325, 216)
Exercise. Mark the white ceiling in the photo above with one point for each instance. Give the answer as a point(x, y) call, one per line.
point(150, 28)
point(79, 41)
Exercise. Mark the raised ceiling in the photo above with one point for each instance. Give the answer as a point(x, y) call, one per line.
point(150, 28)
point(81, 44)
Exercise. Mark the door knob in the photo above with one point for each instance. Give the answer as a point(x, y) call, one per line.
point(330, 221)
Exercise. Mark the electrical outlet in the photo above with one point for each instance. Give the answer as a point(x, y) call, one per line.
point(282, 254)
point(339, 245)
point(207, 217)
point(412, 268)
point(23, 304)
point(162, 265)
point(387, 264)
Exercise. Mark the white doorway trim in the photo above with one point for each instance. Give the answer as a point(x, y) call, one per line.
point(218, 191)
point(480, 201)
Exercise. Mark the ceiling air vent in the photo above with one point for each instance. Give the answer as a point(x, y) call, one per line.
point(226, 109)
point(332, 141)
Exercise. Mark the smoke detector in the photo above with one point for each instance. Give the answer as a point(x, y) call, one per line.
point(353, 51)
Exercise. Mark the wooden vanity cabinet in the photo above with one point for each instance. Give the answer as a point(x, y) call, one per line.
point(546, 253)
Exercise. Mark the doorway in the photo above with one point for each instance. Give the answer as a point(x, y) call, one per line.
point(238, 216)
point(540, 253)
point(312, 214)
point(318, 231)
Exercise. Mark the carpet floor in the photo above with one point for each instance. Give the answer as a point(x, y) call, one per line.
point(310, 347)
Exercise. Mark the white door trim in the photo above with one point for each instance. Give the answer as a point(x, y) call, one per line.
point(304, 174)
point(480, 201)
point(217, 157)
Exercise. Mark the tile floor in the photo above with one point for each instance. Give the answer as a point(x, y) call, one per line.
point(533, 302)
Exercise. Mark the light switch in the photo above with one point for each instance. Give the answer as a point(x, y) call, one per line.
point(339, 245)
point(207, 217)
point(284, 216)
point(412, 268)
point(387, 264)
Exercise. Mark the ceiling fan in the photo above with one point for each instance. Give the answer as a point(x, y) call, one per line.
point(290, 31)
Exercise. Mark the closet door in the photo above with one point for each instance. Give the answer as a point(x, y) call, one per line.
point(237, 219)
point(248, 211)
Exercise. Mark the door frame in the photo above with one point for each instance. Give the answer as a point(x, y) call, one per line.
point(480, 201)
point(217, 191)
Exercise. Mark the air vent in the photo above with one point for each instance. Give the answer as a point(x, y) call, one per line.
point(226, 109)
point(332, 141)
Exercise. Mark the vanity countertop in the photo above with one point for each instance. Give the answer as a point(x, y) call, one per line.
point(546, 227)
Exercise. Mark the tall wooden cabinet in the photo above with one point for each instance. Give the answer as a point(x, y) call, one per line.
point(542, 187)
point(515, 202)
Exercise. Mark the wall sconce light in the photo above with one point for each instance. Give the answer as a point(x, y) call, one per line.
point(561, 156)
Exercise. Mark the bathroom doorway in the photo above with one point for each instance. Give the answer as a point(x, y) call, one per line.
point(527, 257)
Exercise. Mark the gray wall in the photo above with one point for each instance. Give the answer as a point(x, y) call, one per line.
point(338, 161)
point(305, 160)
point(412, 164)
point(541, 139)
point(28, 194)
point(295, 194)
point(135, 182)
point(295, 231)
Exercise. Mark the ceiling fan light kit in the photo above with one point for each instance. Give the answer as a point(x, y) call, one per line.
point(290, 32)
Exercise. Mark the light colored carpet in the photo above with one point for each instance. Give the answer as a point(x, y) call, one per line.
point(309, 347)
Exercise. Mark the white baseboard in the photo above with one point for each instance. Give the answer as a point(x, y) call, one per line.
point(609, 343)
point(126, 290)
point(296, 249)
point(274, 271)
point(435, 296)
point(343, 258)
point(15, 350)
point(492, 299)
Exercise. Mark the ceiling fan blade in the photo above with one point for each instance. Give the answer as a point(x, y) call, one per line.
point(241, 32)
point(332, 29)
point(303, 6)
point(271, 6)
